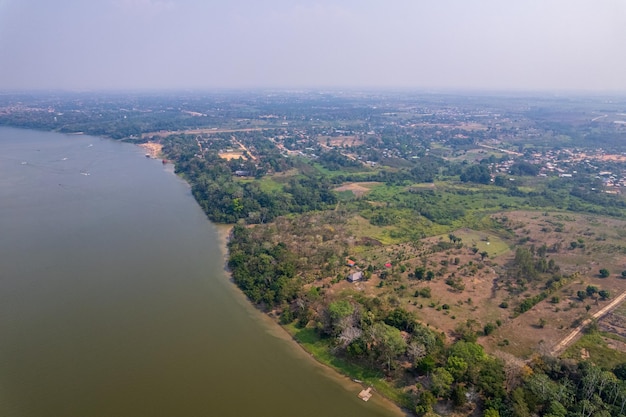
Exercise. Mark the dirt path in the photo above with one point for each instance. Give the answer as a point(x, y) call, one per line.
point(560, 347)
point(243, 147)
point(500, 150)
point(165, 133)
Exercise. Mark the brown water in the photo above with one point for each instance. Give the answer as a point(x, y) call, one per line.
point(114, 302)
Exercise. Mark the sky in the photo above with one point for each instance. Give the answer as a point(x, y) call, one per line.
point(523, 45)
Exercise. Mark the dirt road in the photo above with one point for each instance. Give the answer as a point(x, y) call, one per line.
point(560, 347)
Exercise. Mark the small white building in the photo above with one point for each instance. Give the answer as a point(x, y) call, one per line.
point(355, 276)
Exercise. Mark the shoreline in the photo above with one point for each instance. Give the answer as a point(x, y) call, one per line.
point(223, 232)
point(153, 150)
point(278, 331)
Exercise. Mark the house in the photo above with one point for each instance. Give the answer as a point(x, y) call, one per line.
point(350, 263)
point(356, 276)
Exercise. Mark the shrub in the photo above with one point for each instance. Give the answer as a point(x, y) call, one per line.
point(489, 328)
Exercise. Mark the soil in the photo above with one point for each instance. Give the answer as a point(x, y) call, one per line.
point(486, 285)
point(358, 189)
point(152, 149)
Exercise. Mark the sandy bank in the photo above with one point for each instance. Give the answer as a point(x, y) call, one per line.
point(152, 149)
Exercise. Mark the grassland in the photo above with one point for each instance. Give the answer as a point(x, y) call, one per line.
point(321, 350)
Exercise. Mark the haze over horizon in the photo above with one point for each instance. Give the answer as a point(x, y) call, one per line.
point(550, 45)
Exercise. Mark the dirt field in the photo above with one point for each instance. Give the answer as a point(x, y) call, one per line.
point(340, 141)
point(598, 244)
point(482, 285)
point(232, 155)
point(358, 188)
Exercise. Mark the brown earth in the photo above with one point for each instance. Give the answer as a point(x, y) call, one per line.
point(152, 149)
point(358, 188)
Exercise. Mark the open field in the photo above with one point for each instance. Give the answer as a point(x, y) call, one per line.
point(232, 155)
point(465, 286)
point(357, 188)
point(340, 141)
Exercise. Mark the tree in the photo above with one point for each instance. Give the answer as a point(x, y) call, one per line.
point(387, 342)
point(620, 371)
point(339, 317)
point(604, 273)
point(604, 294)
point(520, 408)
point(472, 354)
point(458, 395)
point(400, 319)
point(456, 366)
point(591, 290)
point(476, 173)
point(556, 409)
point(425, 403)
point(440, 382)
point(489, 328)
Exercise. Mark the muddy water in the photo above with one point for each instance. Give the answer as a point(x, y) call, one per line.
point(114, 301)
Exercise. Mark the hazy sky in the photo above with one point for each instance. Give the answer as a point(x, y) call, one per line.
point(171, 44)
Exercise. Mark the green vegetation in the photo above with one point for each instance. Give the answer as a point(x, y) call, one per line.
point(594, 346)
point(473, 223)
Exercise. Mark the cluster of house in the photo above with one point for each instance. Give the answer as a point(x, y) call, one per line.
point(358, 275)
point(563, 162)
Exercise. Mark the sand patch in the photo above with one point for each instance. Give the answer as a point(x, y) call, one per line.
point(152, 149)
point(232, 155)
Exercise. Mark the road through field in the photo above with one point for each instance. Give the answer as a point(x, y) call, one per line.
point(570, 337)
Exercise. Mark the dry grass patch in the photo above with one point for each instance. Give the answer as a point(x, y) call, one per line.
point(231, 155)
point(359, 189)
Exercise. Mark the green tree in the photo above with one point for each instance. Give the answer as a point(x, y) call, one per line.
point(591, 290)
point(440, 382)
point(339, 313)
point(476, 173)
point(556, 409)
point(490, 412)
point(519, 406)
point(425, 403)
point(457, 367)
point(459, 395)
point(387, 341)
point(604, 273)
point(489, 328)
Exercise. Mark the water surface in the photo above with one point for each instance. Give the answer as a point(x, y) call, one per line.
point(114, 302)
